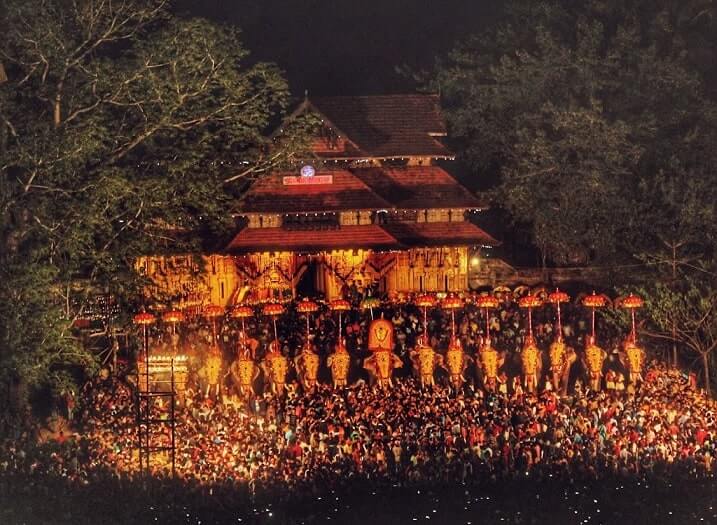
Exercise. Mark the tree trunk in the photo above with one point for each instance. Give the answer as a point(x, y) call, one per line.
point(706, 366)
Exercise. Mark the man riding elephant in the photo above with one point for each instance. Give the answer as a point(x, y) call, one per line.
point(339, 363)
point(490, 361)
point(380, 366)
point(456, 362)
point(307, 367)
point(383, 361)
point(531, 362)
point(633, 358)
point(275, 366)
point(212, 370)
point(593, 361)
point(244, 370)
point(562, 358)
point(424, 360)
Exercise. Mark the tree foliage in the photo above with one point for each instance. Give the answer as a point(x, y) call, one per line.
point(595, 115)
point(124, 127)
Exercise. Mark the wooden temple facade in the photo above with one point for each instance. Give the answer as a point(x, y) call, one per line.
point(372, 208)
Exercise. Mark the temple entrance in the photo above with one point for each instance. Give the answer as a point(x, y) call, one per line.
point(309, 283)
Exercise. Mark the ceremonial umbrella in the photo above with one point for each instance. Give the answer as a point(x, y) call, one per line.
point(486, 302)
point(593, 301)
point(556, 298)
point(530, 301)
point(273, 310)
point(340, 305)
point(307, 307)
point(212, 311)
point(369, 303)
point(242, 312)
point(425, 301)
point(632, 302)
point(452, 302)
point(173, 317)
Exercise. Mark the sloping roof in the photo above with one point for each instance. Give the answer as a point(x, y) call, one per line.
point(420, 187)
point(420, 234)
point(369, 236)
point(278, 239)
point(388, 125)
point(346, 192)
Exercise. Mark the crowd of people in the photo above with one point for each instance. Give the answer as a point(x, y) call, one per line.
point(325, 439)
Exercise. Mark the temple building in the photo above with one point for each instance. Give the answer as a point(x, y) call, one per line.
point(371, 207)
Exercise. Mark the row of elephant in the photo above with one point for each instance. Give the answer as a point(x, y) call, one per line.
point(425, 362)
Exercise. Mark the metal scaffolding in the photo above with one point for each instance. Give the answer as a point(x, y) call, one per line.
point(150, 423)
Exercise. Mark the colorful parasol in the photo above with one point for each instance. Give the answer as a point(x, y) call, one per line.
point(369, 303)
point(425, 301)
point(242, 312)
point(487, 302)
point(557, 297)
point(144, 318)
point(452, 303)
point(273, 310)
point(631, 302)
point(212, 311)
point(173, 317)
point(307, 307)
point(340, 306)
point(530, 301)
point(593, 301)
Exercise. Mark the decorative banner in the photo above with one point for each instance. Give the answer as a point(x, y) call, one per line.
point(380, 335)
point(300, 181)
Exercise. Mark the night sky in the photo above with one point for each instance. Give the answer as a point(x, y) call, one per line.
point(349, 47)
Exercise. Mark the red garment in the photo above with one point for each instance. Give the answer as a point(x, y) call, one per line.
point(700, 436)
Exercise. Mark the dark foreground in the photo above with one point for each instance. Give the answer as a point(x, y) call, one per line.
point(622, 501)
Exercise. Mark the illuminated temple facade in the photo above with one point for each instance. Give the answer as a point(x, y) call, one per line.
point(372, 207)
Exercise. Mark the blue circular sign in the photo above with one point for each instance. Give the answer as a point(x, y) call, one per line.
point(307, 171)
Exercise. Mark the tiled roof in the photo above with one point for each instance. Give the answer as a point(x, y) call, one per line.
point(420, 187)
point(388, 125)
point(370, 236)
point(346, 192)
point(278, 239)
point(439, 234)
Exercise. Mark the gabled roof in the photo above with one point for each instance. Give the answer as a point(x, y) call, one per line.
point(420, 187)
point(420, 234)
point(400, 235)
point(346, 192)
point(369, 236)
point(387, 126)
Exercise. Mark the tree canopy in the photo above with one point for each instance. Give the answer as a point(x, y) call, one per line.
point(596, 117)
point(123, 127)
